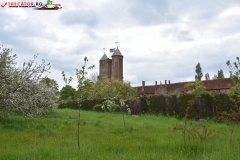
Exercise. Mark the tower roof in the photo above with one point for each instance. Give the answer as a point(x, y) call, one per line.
point(104, 57)
point(117, 53)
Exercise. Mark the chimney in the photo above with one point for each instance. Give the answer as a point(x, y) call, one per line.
point(143, 83)
point(169, 82)
point(165, 87)
point(155, 87)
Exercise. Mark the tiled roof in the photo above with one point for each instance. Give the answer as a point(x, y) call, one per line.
point(104, 57)
point(117, 53)
point(146, 90)
point(221, 83)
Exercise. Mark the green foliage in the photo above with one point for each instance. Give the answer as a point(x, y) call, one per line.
point(235, 91)
point(86, 104)
point(109, 105)
point(66, 80)
point(235, 76)
point(234, 70)
point(220, 74)
point(195, 133)
point(196, 88)
point(109, 88)
point(67, 92)
point(232, 117)
point(84, 84)
point(199, 73)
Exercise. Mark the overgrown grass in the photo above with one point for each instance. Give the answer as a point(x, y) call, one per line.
point(103, 136)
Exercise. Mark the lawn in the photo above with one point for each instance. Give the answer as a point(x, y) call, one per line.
point(104, 137)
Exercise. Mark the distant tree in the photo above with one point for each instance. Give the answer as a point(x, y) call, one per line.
point(207, 77)
point(235, 76)
point(196, 88)
point(199, 73)
point(110, 88)
point(67, 92)
point(220, 74)
point(234, 70)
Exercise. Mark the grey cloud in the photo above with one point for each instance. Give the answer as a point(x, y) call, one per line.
point(88, 18)
point(151, 12)
point(176, 33)
point(184, 36)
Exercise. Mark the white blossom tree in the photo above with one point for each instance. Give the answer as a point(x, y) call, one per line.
point(20, 88)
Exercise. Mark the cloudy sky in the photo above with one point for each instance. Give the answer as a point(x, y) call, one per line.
point(159, 39)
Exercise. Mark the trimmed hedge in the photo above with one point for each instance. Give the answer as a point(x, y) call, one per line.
point(86, 105)
point(206, 106)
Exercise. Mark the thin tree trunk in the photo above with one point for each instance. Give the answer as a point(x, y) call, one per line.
point(79, 129)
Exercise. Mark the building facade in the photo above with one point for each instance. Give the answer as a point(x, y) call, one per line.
point(215, 85)
point(111, 67)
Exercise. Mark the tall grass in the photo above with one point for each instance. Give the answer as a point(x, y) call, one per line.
point(104, 137)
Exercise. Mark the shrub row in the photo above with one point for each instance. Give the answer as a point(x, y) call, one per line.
point(86, 105)
point(206, 106)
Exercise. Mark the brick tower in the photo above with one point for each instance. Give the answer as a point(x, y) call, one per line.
point(117, 65)
point(105, 67)
point(111, 67)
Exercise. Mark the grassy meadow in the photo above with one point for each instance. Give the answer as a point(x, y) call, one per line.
point(104, 137)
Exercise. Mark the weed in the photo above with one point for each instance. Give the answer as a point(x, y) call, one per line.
point(98, 123)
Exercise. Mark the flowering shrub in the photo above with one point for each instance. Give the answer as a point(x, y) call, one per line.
point(20, 88)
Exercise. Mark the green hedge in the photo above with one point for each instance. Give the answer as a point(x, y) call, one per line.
point(86, 105)
point(206, 106)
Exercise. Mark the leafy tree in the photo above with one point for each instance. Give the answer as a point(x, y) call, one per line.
point(83, 88)
point(66, 80)
point(220, 74)
point(20, 88)
point(109, 88)
point(234, 70)
point(207, 77)
point(235, 76)
point(110, 105)
point(199, 73)
point(196, 88)
point(67, 92)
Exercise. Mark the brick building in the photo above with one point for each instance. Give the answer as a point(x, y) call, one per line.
point(111, 67)
point(215, 85)
point(114, 68)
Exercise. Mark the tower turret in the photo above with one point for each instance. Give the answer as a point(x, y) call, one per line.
point(105, 65)
point(117, 65)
